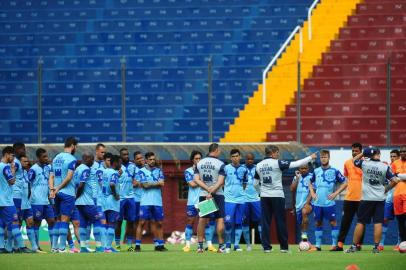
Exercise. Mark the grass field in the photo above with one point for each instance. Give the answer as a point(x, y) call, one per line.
point(175, 258)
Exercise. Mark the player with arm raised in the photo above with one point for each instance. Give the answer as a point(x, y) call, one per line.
point(269, 173)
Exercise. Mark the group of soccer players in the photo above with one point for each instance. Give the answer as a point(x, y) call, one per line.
point(99, 193)
point(104, 189)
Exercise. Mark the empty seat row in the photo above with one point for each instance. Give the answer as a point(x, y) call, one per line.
point(340, 123)
point(107, 87)
point(143, 37)
point(364, 70)
point(340, 138)
point(351, 96)
point(378, 8)
point(343, 109)
point(370, 83)
point(381, 19)
point(170, 61)
point(368, 44)
point(372, 32)
point(140, 49)
point(364, 57)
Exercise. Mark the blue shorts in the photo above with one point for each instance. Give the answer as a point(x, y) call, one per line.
point(137, 210)
point(151, 212)
point(64, 204)
point(41, 212)
point(17, 203)
point(235, 213)
point(191, 211)
point(75, 215)
point(127, 210)
point(389, 214)
point(219, 200)
point(324, 212)
point(111, 216)
point(88, 215)
point(8, 214)
point(101, 213)
point(26, 214)
point(253, 211)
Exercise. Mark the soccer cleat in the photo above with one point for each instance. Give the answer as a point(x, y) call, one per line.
point(249, 248)
point(314, 248)
point(3, 251)
point(99, 249)
point(211, 248)
point(39, 251)
point(186, 249)
point(237, 248)
point(380, 248)
point(62, 251)
point(114, 250)
point(74, 250)
point(228, 250)
point(137, 249)
point(118, 247)
point(375, 250)
point(107, 250)
point(54, 250)
point(84, 250)
point(90, 250)
point(396, 248)
point(24, 250)
point(351, 249)
point(222, 250)
point(336, 248)
point(130, 249)
point(304, 237)
point(268, 250)
point(160, 248)
point(285, 251)
point(359, 247)
point(200, 250)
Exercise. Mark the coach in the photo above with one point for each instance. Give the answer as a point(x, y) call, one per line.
point(269, 177)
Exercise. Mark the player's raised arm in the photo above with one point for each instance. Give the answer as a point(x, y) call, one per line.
point(301, 162)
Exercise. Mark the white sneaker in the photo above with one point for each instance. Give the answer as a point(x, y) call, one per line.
point(90, 250)
point(62, 251)
point(228, 250)
point(249, 248)
point(54, 250)
point(285, 251)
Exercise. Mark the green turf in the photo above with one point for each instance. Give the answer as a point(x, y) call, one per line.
point(176, 259)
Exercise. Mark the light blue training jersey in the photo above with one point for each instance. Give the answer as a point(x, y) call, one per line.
point(302, 190)
point(137, 190)
point(38, 176)
point(25, 200)
point(126, 181)
point(19, 176)
point(236, 176)
point(82, 175)
point(151, 196)
point(193, 192)
point(61, 165)
point(251, 194)
point(6, 190)
point(110, 176)
point(96, 176)
point(324, 181)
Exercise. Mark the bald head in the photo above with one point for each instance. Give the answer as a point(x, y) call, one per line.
point(87, 159)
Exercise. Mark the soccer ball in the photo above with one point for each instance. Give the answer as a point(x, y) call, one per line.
point(304, 245)
point(402, 247)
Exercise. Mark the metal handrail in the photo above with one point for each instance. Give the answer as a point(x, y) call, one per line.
point(274, 60)
point(309, 18)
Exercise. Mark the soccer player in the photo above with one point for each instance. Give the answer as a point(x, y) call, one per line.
point(38, 175)
point(321, 188)
point(96, 180)
point(252, 201)
point(85, 204)
point(152, 180)
point(127, 203)
point(139, 162)
point(269, 173)
point(374, 176)
point(389, 213)
point(63, 189)
point(399, 195)
point(19, 151)
point(75, 220)
point(26, 211)
point(234, 199)
point(303, 206)
point(111, 205)
point(8, 211)
point(352, 196)
point(209, 175)
point(192, 198)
